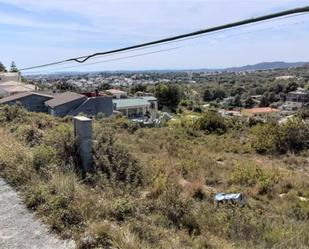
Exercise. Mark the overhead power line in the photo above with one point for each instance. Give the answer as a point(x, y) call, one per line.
point(158, 51)
point(83, 59)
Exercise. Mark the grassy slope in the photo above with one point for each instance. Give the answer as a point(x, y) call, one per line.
point(173, 206)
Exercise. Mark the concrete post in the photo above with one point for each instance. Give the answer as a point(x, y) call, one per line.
point(83, 141)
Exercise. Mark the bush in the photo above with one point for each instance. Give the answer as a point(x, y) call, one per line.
point(271, 138)
point(174, 207)
point(15, 161)
point(12, 113)
point(117, 164)
point(295, 135)
point(61, 139)
point(35, 197)
point(43, 158)
point(122, 208)
point(251, 175)
point(29, 134)
point(211, 122)
point(264, 138)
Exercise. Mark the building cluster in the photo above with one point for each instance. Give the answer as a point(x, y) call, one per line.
point(295, 100)
point(95, 80)
point(141, 108)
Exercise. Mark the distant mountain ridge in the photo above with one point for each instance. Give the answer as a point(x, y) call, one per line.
point(266, 66)
point(254, 67)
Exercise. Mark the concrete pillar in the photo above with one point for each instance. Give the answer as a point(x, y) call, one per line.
point(83, 141)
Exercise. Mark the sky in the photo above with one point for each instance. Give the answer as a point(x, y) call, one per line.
point(34, 32)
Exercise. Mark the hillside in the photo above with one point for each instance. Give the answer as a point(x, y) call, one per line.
point(266, 66)
point(154, 188)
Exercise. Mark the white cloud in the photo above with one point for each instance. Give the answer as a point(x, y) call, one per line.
point(115, 23)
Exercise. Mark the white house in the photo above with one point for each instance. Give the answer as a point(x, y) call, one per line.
point(137, 107)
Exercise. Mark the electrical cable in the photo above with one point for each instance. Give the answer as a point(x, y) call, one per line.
point(83, 59)
point(158, 51)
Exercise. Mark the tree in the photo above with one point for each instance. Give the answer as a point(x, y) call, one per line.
point(278, 88)
point(292, 86)
point(207, 95)
point(138, 88)
point(13, 67)
point(104, 86)
point(237, 101)
point(2, 67)
point(249, 103)
point(218, 94)
point(264, 102)
point(167, 95)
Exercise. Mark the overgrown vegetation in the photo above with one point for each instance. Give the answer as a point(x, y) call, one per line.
point(154, 187)
point(271, 138)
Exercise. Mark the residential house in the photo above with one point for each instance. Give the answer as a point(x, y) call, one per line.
point(95, 105)
point(64, 103)
point(117, 94)
point(32, 101)
point(137, 107)
point(152, 100)
point(60, 105)
point(299, 96)
point(132, 107)
point(290, 107)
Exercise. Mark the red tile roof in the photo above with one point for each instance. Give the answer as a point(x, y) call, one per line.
point(261, 110)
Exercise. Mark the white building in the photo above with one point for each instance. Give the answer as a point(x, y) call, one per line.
point(117, 94)
point(5, 77)
point(137, 107)
point(10, 84)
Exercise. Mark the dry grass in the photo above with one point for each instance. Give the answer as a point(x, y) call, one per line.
point(173, 208)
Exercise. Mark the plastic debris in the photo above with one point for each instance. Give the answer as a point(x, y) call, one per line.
point(234, 198)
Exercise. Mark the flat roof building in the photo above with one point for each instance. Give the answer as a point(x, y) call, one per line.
point(4, 77)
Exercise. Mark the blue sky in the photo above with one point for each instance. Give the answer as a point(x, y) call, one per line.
point(34, 32)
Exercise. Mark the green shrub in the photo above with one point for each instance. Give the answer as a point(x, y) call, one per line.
point(122, 208)
point(295, 135)
point(264, 138)
point(29, 134)
point(118, 165)
point(35, 197)
point(251, 175)
point(44, 158)
point(61, 139)
point(12, 113)
point(173, 206)
point(271, 138)
point(211, 122)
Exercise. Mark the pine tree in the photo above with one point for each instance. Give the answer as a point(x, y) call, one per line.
point(13, 68)
point(2, 67)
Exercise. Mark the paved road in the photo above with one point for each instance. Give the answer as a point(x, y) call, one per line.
point(20, 229)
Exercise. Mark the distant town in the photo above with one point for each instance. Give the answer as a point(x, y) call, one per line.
point(279, 93)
